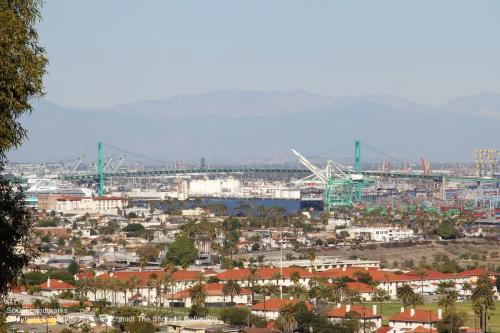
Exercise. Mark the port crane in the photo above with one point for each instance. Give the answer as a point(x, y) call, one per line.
point(341, 187)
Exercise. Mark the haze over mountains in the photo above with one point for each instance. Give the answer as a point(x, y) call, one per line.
point(230, 126)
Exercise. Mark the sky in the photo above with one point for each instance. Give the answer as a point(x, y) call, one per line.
point(104, 53)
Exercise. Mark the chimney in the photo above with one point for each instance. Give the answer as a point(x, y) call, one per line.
point(348, 308)
point(440, 314)
point(291, 297)
point(344, 269)
point(111, 274)
point(338, 305)
point(412, 312)
point(268, 297)
point(402, 309)
point(48, 282)
point(374, 309)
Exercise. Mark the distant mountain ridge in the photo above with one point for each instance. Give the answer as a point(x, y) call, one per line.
point(236, 125)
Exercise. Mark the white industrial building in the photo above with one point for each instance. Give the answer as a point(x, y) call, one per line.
point(67, 204)
point(380, 234)
point(211, 187)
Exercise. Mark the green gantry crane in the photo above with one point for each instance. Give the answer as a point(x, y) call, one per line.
point(341, 187)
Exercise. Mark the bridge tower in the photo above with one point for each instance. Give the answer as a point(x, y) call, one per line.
point(100, 171)
point(357, 168)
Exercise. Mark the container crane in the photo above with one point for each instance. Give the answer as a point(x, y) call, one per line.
point(340, 187)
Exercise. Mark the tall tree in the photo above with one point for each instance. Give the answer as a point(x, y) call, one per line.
point(482, 300)
point(407, 295)
point(198, 294)
point(22, 66)
point(381, 296)
point(286, 319)
point(231, 288)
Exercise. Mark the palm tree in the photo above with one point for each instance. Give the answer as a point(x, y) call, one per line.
point(482, 300)
point(277, 276)
point(381, 296)
point(466, 288)
point(406, 295)
point(295, 277)
point(324, 292)
point(339, 289)
point(298, 290)
point(198, 294)
point(352, 296)
point(169, 284)
point(311, 255)
point(231, 288)
point(286, 318)
point(449, 299)
point(131, 284)
point(251, 278)
point(268, 289)
point(421, 272)
point(152, 283)
point(260, 260)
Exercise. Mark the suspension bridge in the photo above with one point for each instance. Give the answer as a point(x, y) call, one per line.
point(341, 185)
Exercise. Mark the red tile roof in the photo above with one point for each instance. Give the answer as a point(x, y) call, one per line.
point(360, 287)
point(234, 274)
point(56, 285)
point(340, 312)
point(144, 276)
point(421, 316)
point(421, 329)
point(266, 273)
point(275, 304)
point(62, 304)
point(383, 329)
point(475, 272)
point(212, 289)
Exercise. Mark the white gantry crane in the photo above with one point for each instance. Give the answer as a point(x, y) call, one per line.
point(340, 185)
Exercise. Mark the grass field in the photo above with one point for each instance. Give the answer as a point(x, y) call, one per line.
point(389, 309)
point(493, 325)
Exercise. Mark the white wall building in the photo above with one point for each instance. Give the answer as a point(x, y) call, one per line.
point(380, 234)
point(103, 205)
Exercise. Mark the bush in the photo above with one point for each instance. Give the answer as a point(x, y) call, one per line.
point(240, 316)
point(198, 312)
point(447, 231)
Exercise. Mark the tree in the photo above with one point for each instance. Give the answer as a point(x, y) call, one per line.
point(169, 284)
point(298, 290)
point(482, 300)
point(421, 272)
point(231, 288)
point(339, 289)
point(352, 296)
point(286, 319)
point(381, 296)
point(452, 322)
point(407, 295)
point(182, 252)
point(73, 268)
point(240, 316)
point(198, 294)
point(447, 231)
point(467, 287)
point(252, 277)
point(22, 68)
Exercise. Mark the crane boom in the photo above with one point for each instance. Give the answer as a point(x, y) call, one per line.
point(315, 170)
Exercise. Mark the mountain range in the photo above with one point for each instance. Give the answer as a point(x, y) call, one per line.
point(235, 126)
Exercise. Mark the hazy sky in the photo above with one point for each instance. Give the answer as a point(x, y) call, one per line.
point(110, 52)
